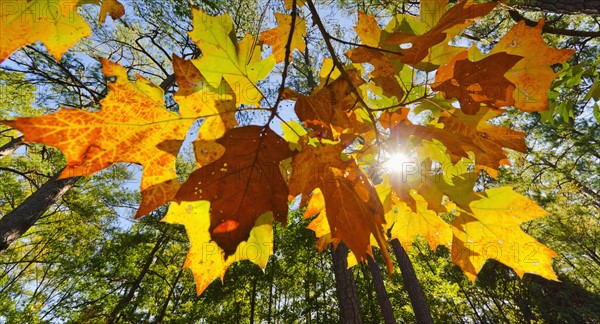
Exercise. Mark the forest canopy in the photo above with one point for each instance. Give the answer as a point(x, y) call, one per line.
point(460, 138)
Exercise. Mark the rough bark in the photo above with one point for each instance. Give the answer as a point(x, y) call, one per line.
point(20, 219)
point(382, 296)
point(411, 283)
point(570, 7)
point(345, 286)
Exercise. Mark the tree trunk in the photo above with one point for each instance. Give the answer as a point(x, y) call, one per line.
point(411, 283)
point(11, 146)
point(113, 317)
point(253, 299)
point(20, 219)
point(382, 297)
point(571, 7)
point(345, 286)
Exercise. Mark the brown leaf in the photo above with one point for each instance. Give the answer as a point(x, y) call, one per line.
point(476, 83)
point(241, 185)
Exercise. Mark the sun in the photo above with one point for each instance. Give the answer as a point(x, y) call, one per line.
point(397, 162)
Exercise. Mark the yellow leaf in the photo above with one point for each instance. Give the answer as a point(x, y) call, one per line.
point(197, 98)
point(205, 258)
point(368, 30)
point(278, 37)
point(240, 64)
point(289, 3)
point(492, 231)
point(424, 222)
point(54, 23)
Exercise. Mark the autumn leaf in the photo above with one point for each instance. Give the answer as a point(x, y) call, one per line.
point(533, 74)
point(240, 64)
point(492, 231)
point(205, 258)
point(110, 7)
point(354, 212)
point(197, 98)
point(327, 110)
point(477, 83)
point(288, 3)
point(408, 224)
point(241, 185)
point(454, 21)
point(368, 30)
point(462, 133)
point(132, 126)
point(278, 37)
point(54, 23)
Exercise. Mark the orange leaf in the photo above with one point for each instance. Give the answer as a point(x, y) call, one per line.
point(533, 74)
point(454, 21)
point(54, 23)
point(353, 209)
point(476, 83)
point(111, 7)
point(463, 133)
point(327, 109)
point(278, 37)
point(368, 30)
point(241, 185)
point(132, 126)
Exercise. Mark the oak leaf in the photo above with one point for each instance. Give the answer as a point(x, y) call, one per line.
point(132, 126)
point(462, 133)
point(54, 23)
point(239, 64)
point(278, 37)
point(241, 185)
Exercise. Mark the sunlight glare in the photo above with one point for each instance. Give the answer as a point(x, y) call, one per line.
point(396, 161)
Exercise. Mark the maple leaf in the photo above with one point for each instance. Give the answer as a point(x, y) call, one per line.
point(205, 258)
point(353, 210)
point(278, 37)
point(462, 133)
point(454, 21)
point(197, 98)
point(223, 57)
point(327, 110)
point(408, 224)
point(491, 230)
point(54, 23)
point(241, 185)
point(132, 126)
point(533, 74)
point(476, 83)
